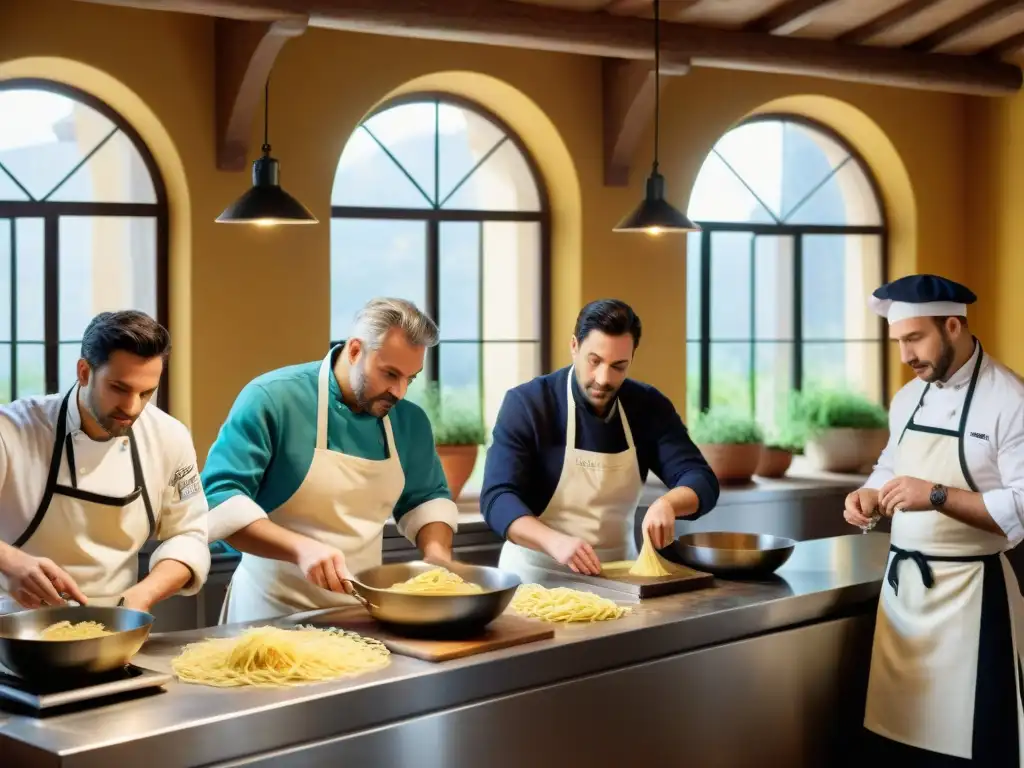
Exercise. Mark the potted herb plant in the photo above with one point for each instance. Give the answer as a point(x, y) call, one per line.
point(730, 442)
point(845, 430)
point(779, 448)
point(458, 434)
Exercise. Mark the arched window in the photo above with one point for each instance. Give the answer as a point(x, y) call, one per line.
point(83, 229)
point(438, 202)
point(793, 241)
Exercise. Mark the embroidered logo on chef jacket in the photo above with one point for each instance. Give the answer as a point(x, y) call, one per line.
point(186, 482)
point(979, 436)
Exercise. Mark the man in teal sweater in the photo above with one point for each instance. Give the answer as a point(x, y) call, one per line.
point(314, 458)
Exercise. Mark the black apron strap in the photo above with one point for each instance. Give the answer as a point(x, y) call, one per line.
point(923, 564)
point(140, 482)
point(51, 478)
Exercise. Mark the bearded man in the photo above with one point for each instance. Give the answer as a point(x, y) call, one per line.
point(315, 458)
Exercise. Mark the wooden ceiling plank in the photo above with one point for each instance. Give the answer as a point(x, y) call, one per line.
point(1006, 46)
point(627, 7)
point(788, 17)
point(880, 23)
point(245, 55)
point(990, 12)
point(519, 25)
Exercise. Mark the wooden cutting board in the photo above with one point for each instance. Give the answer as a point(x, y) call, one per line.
point(643, 587)
point(504, 632)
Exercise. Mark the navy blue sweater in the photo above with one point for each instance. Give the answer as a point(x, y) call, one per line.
point(525, 459)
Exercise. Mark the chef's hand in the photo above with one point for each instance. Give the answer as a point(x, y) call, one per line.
point(908, 494)
point(660, 524)
point(324, 566)
point(860, 507)
point(575, 553)
point(136, 599)
point(36, 581)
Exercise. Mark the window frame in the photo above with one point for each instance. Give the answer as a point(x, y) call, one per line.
point(51, 213)
point(797, 232)
point(433, 217)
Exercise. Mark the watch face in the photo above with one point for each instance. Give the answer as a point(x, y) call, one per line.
point(937, 496)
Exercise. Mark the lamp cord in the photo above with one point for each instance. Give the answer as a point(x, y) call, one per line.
point(266, 117)
point(657, 80)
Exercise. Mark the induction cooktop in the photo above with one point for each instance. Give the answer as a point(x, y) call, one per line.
point(40, 696)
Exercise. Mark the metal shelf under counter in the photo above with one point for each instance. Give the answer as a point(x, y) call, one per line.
point(742, 673)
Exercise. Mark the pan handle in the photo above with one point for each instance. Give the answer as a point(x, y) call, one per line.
point(362, 600)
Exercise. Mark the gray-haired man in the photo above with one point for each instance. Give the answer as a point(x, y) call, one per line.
point(314, 458)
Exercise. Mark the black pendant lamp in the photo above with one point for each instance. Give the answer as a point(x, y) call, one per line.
point(655, 215)
point(266, 204)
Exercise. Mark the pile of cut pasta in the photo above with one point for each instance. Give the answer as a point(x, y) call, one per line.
point(437, 581)
point(273, 656)
point(564, 605)
point(79, 630)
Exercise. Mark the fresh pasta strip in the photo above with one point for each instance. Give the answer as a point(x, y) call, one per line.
point(562, 604)
point(650, 564)
point(273, 656)
point(79, 630)
point(437, 581)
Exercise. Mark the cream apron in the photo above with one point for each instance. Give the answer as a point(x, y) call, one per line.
point(944, 687)
point(95, 538)
point(344, 501)
point(595, 498)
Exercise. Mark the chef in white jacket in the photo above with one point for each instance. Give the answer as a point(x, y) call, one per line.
point(89, 475)
point(945, 680)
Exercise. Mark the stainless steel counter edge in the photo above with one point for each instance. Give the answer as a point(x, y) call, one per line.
point(824, 579)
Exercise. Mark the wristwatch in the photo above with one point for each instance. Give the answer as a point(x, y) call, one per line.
point(938, 496)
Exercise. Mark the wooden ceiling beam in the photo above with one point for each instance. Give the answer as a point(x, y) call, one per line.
point(788, 17)
point(245, 54)
point(1005, 46)
point(522, 25)
point(880, 23)
point(629, 91)
point(990, 12)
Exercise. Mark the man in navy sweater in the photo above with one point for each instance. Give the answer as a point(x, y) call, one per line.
point(572, 449)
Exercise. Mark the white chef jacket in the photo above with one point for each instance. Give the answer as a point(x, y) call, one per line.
point(166, 452)
point(993, 435)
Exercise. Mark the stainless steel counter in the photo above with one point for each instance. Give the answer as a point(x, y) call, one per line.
point(408, 713)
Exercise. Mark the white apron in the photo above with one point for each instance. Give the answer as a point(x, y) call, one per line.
point(944, 687)
point(95, 538)
point(595, 498)
point(344, 501)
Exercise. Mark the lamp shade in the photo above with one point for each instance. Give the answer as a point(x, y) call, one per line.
point(655, 215)
point(266, 203)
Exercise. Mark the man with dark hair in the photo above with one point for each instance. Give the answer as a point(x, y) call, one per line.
point(945, 674)
point(572, 449)
point(87, 477)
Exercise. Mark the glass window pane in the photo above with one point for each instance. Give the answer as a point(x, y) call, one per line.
point(5, 373)
point(31, 370)
point(465, 138)
point(719, 195)
point(773, 382)
point(731, 285)
point(367, 177)
point(371, 258)
point(846, 199)
point(731, 381)
point(6, 251)
point(29, 237)
point(693, 284)
point(459, 284)
point(839, 273)
point(511, 280)
point(52, 134)
point(505, 365)
point(503, 182)
point(459, 372)
point(408, 131)
point(9, 190)
point(67, 373)
point(848, 365)
point(692, 380)
point(106, 263)
point(754, 153)
point(809, 156)
point(773, 287)
point(115, 174)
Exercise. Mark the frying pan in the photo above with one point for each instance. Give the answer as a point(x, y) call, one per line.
point(24, 654)
point(732, 555)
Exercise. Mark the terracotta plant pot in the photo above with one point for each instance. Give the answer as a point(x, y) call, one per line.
point(846, 450)
point(732, 463)
point(774, 462)
point(458, 462)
